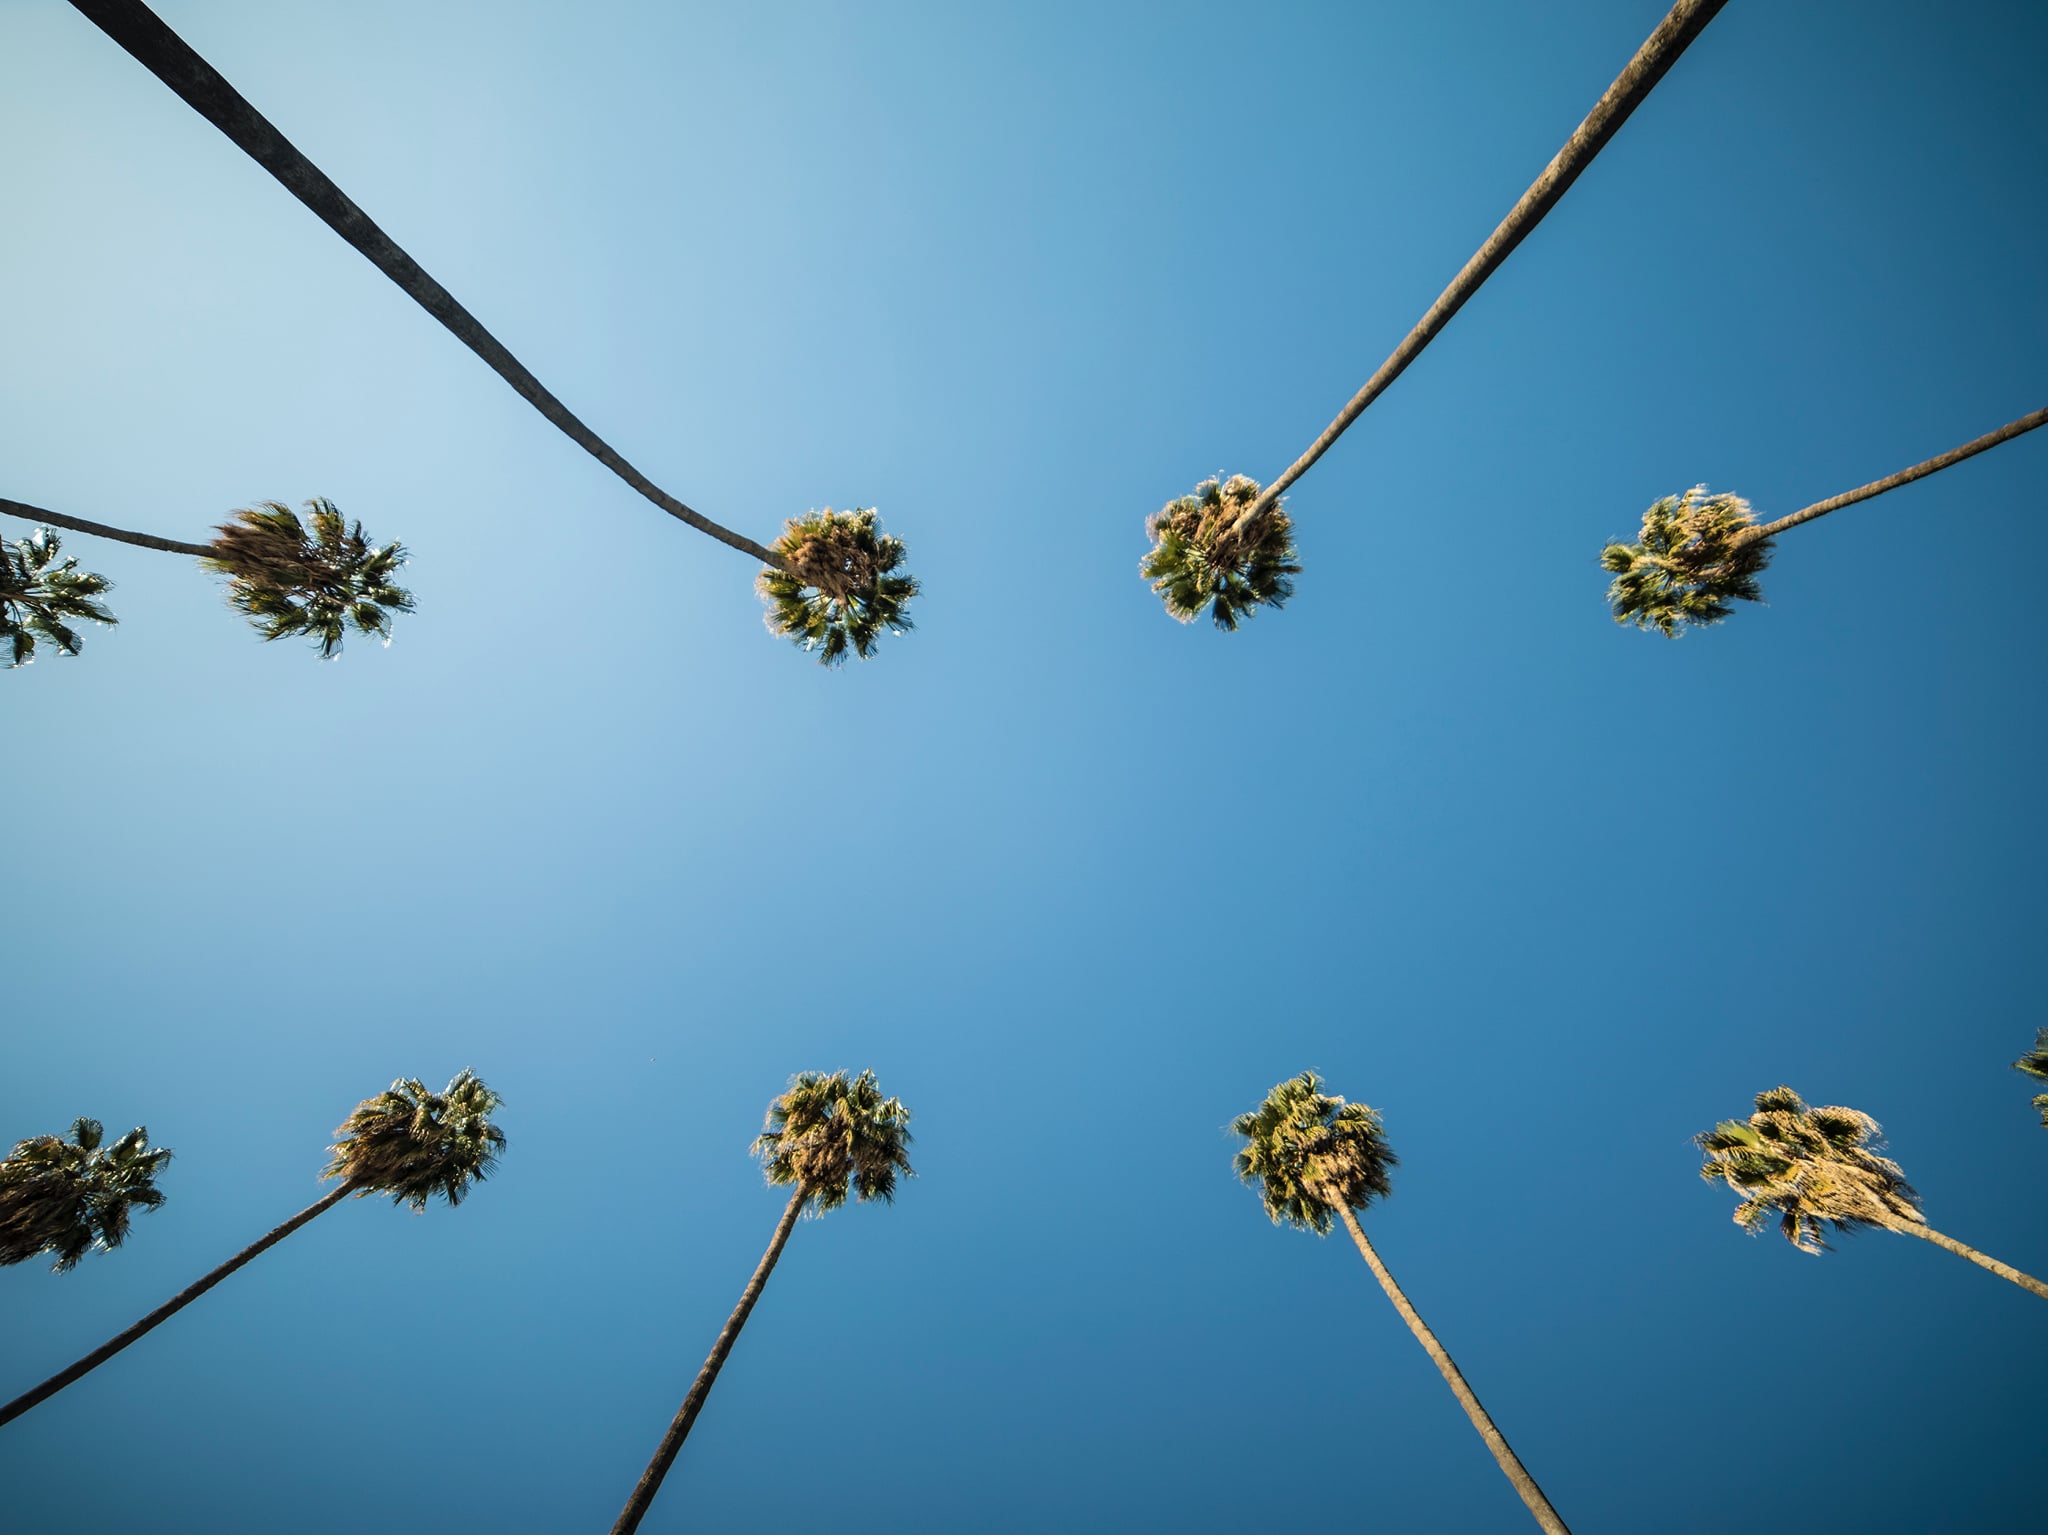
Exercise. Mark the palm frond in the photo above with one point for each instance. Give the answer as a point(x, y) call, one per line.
point(1310, 1153)
point(1817, 1168)
point(1690, 565)
point(2035, 1064)
point(840, 586)
point(38, 592)
point(833, 1135)
point(290, 579)
point(1206, 554)
point(69, 1198)
point(414, 1144)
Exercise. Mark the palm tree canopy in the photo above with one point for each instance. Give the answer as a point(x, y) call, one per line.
point(2035, 1064)
point(66, 1198)
point(38, 594)
point(835, 1134)
point(1816, 1167)
point(839, 587)
point(1309, 1151)
point(1207, 553)
point(1690, 565)
point(412, 1144)
point(291, 580)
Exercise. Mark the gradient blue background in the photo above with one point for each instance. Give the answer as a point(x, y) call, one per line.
point(1078, 883)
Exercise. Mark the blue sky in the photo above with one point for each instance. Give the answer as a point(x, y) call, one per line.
point(1078, 883)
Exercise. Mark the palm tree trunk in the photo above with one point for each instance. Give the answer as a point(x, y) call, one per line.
point(101, 530)
point(1969, 449)
point(175, 1304)
point(1963, 1250)
point(1510, 1463)
point(1660, 50)
point(679, 1429)
point(167, 56)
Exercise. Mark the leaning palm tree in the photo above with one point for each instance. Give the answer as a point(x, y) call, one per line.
point(315, 578)
point(826, 1137)
point(1816, 1168)
point(202, 87)
point(1203, 558)
point(1316, 1158)
point(836, 588)
point(407, 1142)
point(40, 598)
point(2035, 1064)
point(69, 1198)
point(1698, 554)
point(1224, 540)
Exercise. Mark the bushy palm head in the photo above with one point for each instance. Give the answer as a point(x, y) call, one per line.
point(412, 1144)
point(1205, 556)
point(832, 1135)
point(317, 580)
point(2035, 1064)
point(1310, 1152)
point(1814, 1167)
point(1690, 566)
point(66, 1198)
point(38, 594)
point(840, 587)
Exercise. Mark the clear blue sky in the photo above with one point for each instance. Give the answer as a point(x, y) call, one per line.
point(1079, 884)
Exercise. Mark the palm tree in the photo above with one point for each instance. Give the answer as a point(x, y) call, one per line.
point(826, 1137)
point(66, 1198)
point(1315, 1157)
point(202, 87)
point(1673, 35)
point(835, 589)
point(1699, 553)
point(2035, 1064)
point(287, 578)
point(1816, 1168)
point(37, 595)
point(406, 1142)
point(1202, 557)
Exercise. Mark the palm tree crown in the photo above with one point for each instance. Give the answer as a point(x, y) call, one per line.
point(1309, 1152)
point(2035, 1064)
point(412, 1144)
point(1813, 1166)
point(66, 1198)
point(37, 595)
point(290, 580)
point(837, 588)
point(1696, 557)
point(1212, 550)
point(832, 1134)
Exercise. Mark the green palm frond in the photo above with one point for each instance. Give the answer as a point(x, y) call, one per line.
point(1691, 564)
point(413, 1144)
point(68, 1198)
point(1205, 555)
point(1309, 1152)
point(834, 1134)
point(1814, 1168)
point(839, 588)
point(38, 593)
point(289, 579)
point(2035, 1064)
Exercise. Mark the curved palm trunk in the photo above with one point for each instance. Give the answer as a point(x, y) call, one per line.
point(1963, 1250)
point(1510, 1463)
point(167, 56)
point(1660, 50)
point(29, 513)
point(169, 1308)
point(679, 1429)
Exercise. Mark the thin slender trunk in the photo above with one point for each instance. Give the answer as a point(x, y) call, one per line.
point(167, 56)
point(1963, 1250)
point(100, 530)
point(679, 1429)
point(1969, 449)
point(1674, 34)
point(1510, 1463)
point(169, 1308)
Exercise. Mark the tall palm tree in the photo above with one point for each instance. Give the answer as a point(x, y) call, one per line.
point(287, 577)
point(1700, 553)
point(1202, 558)
point(202, 87)
point(67, 1198)
point(2035, 1064)
point(836, 588)
point(1817, 1167)
point(38, 595)
point(406, 1142)
point(826, 1137)
point(1166, 567)
point(1316, 1158)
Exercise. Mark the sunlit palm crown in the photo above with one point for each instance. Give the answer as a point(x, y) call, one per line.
point(1813, 1166)
point(38, 594)
point(1308, 1151)
point(1690, 566)
point(413, 1144)
point(841, 588)
point(291, 579)
point(1205, 556)
point(835, 1134)
point(67, 1197)
point(2035, 1064)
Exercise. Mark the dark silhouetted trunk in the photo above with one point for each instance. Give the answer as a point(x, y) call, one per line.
point(29, 513)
